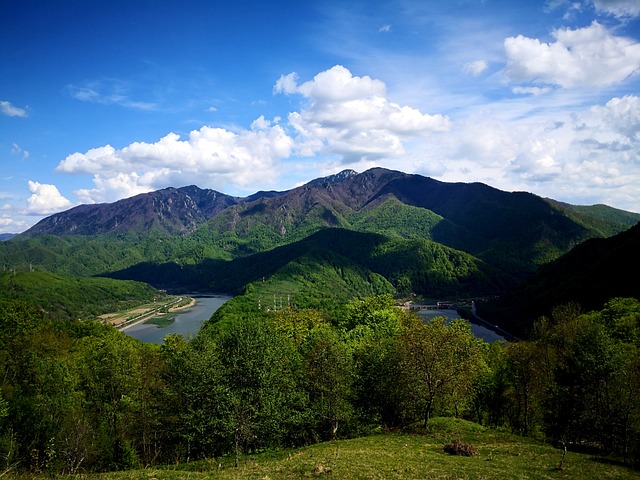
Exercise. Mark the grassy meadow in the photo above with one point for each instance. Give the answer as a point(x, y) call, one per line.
point(399, 455)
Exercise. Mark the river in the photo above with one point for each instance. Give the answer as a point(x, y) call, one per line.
point(187, 322)
point(478, 330)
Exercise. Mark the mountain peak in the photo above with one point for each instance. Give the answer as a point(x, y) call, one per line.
point(333, 179)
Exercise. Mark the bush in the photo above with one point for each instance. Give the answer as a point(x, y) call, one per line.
point(460, 448)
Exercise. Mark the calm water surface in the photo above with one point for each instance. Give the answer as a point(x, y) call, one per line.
point(187, 322)
point(478, 330)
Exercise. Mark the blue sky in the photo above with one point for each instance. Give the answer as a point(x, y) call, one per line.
point(101, 100)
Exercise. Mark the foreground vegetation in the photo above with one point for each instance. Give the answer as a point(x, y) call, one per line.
point(78, 396)
point(400, 456)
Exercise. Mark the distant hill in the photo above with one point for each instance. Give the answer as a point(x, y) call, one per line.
point(589, 275)
point(6, 236)
point(70, 298)
point(171, 211)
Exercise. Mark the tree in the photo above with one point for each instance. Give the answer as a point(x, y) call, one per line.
point(109, 368)
point(490, 401)
point(197, 413)
point(370, 328)
point(295, 325)
point(259, 370)
point(328, 374)
point(525, 377)
point(440, 359)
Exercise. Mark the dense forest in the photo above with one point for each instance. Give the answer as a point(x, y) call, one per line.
point(80, 396)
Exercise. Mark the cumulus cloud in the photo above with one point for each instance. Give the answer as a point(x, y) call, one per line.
point(344, 118)
point(45, 199)
point(584, 57)
point(209, 157)
point(476, 68)
point(586, 155)
point(8, 109)
point(350, 117)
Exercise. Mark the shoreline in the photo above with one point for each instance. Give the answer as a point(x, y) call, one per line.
point(191, 303)
point(149, 315)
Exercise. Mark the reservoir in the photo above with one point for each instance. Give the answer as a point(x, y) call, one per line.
point(187, 322)
point(478, 330)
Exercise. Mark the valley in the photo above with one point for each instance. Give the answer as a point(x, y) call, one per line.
point(305, 344)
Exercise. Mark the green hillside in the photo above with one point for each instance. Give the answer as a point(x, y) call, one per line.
point(335, 265)
point(64, 297)
point(589, 275)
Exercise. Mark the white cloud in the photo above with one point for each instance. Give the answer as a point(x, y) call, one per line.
point(535, 91)
point(385, 28)
point(286, 84)
point(618, 8)
point(590, 155)
point(350, 117)
point(476, 68)
point(17, 150)
point(622, 116)
point(45, 199)
point(108, 92)
point(585, 57)
point(546, 145)
point(9, 224)
point(210, 157)
point(10, 110)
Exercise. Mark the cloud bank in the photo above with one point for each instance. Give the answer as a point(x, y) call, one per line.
point(210, 156)
point(351, 118)
point(344, 117)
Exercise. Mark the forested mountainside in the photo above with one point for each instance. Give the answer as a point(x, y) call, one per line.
point(355, 234)
point(588, 276)
point(517, 230)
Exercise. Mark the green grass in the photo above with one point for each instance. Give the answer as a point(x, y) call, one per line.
point(400, 456)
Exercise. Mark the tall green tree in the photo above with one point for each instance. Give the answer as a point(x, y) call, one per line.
point(328, 378)
point(371, 327)
point(110, 381)
point(197, 413)
point(441, 360)
point(260, 371)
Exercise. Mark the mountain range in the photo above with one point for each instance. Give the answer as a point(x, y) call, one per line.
point(354, 233)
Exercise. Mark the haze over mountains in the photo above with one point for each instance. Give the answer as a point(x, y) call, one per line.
point(405, 234)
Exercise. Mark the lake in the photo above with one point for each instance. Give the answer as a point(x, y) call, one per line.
point(478, 330)
point(187, 322)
